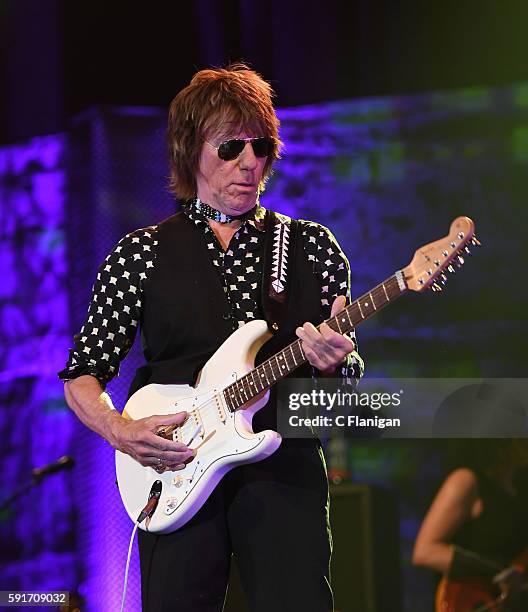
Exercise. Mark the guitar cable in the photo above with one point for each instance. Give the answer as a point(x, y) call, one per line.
point(128, 566)
point(146, 513)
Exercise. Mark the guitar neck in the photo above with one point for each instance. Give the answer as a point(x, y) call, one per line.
point(261, 378)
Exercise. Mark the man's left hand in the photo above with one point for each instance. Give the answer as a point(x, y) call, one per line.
point(324, 348)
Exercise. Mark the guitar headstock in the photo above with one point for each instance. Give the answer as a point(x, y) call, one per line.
point(431, 262)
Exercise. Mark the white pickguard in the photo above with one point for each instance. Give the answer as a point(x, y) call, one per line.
point(226, 438)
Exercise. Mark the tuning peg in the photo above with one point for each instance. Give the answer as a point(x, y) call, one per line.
point(436, 287)
point(443, 277)
point(460, 262)
point(467, 250)
point(475, 241)
point(451, 269)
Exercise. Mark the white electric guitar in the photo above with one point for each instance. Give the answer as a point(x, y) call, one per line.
point(230, 390)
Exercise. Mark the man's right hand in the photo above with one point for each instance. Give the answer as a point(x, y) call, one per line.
point(86, 397)
point(138, 439)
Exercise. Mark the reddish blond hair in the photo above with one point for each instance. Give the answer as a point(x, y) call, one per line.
point(236, 95)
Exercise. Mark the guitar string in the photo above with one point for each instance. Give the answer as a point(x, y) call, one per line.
point(387, 290)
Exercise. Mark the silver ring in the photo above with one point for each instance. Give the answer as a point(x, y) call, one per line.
point(160, 466)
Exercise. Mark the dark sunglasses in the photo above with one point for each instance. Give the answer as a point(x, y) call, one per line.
point(231, 149)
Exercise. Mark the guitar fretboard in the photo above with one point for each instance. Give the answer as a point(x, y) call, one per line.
point(291, 357)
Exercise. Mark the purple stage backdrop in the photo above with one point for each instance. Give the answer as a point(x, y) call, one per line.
point(39, 531)
point(385, 174)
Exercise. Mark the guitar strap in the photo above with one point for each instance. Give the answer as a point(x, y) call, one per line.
point(277, 269)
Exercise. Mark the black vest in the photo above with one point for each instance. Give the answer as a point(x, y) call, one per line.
point(186, 314)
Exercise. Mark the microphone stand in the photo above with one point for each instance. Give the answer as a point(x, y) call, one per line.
point(37, 476)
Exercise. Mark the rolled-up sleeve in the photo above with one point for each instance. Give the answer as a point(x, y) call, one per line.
point(333, 271)
point(114, 313)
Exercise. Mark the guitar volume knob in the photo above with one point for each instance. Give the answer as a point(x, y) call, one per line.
point(177, 481)
point(171, 505)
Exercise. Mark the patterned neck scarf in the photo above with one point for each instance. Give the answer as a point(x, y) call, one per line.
point(216, 215)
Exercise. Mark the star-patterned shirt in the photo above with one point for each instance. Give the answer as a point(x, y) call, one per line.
point(115, 311)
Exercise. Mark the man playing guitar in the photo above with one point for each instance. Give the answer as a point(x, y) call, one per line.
point(189, 282)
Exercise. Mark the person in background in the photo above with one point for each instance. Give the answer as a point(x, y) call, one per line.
point(476, 531)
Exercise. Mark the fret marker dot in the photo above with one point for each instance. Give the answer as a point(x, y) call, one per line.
point(366, 304)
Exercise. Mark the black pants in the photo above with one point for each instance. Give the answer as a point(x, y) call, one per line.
point(273, 516)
